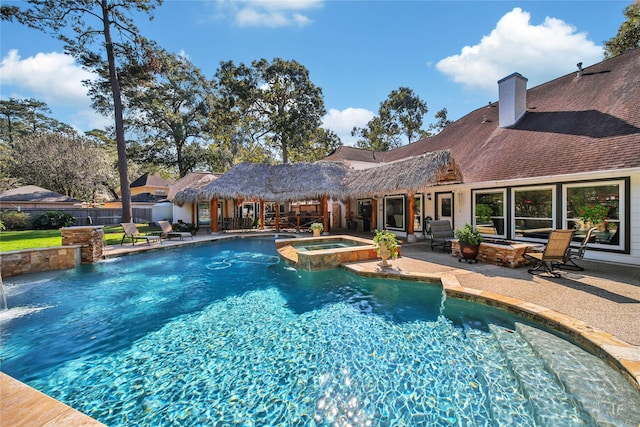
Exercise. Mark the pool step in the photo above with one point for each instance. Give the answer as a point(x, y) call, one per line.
point(609, 400)
point(544, 392)
point(509, 406)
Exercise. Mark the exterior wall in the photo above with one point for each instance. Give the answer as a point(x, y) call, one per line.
point(15, 263)
point(157, 191)
point(182, 213)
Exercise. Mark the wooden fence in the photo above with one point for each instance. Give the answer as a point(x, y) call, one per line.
point(95, 216)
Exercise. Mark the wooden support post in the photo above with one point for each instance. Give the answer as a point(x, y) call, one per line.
point(214, 215)
point(262, 214)
point(374, 212)
point(194, 206)
point(277, 217)
point(412, 210)
point(325, 212)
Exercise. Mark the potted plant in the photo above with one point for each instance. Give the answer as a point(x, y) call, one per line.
point(317, 228)
point(469, 239)
point(386, 246)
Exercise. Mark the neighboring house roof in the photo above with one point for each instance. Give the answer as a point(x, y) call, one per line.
point(151, 181)
point(34, 194)
point(573, 124)
point(186, 181)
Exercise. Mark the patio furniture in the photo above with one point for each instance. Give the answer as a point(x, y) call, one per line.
point(441, 234)
point(132, 232)
point(555, 253)
point(168, 233)
point(578, 253)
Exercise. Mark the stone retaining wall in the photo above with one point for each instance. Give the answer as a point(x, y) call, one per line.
point(90, 238)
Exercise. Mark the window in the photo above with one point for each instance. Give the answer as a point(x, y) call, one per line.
point(364, 208)
point(488, 212)
point(533, 212)
point(595, 205)
point(394, 212)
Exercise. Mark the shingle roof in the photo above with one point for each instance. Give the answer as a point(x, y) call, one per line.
point(345, 152)
point(33, 193)
point(151, 180)
point(572, 125)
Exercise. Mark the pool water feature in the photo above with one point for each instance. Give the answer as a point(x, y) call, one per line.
point(323, 253)
point(226, 334)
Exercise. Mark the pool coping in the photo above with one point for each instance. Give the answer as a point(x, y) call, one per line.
point(622, 356)
point(19, 399)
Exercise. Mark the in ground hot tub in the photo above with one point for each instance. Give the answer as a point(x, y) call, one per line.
point(323, 253)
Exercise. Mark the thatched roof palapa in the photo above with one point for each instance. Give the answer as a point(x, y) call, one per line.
point(312, 181)
point(277, 183)
point(411, 175)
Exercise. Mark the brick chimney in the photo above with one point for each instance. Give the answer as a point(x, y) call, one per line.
point(512, 92)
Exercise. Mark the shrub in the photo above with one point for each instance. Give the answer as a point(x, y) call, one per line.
point(15, 220)
point(183, 226)
point(468, 235)
point(53, 219)
point(387, 239)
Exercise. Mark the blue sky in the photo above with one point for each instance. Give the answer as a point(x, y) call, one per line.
point(450, 53)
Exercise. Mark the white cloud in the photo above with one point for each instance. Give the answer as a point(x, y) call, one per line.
point(52, 77)
point(268, 13)
point(342, 122)
point(538, 52)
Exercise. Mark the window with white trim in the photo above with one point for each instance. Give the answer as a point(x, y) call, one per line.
point(597, 205)
point(533, 209)
point(489, 208)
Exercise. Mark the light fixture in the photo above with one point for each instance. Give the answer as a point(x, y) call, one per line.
point(428, 196)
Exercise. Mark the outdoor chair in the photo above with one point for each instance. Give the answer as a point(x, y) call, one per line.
point(578, 253)
point(555, 253)
point(132, 232)
point(441, 234)
point(168, 233)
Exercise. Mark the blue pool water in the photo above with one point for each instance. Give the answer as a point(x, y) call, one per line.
point(225, 334)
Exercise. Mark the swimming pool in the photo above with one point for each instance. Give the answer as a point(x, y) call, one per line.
point(226, 334)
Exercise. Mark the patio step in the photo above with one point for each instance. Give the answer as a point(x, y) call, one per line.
point(609, 400)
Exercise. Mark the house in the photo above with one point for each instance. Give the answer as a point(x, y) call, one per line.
point(532, 162)
point(518, 168)
point(32, 196)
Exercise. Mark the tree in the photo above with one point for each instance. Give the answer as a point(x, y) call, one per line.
point(628, 36)
point(322, 142)
point(120, 39)
point(236, 133)
point(19, 117)
point(443, 122)
point(400, 114)
point(171, 112)
point(68, 164)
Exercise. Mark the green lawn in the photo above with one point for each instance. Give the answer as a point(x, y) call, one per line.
point(30, 239)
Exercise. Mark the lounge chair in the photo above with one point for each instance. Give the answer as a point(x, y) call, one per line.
point(441, 234)
point(168, 233)
point(131, 232)
point(578, 253)
point(556, 253)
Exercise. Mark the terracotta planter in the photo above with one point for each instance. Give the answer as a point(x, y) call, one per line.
point(469, 252)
